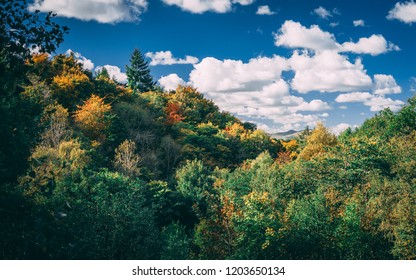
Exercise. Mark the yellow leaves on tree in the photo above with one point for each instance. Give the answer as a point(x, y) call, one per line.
point(93, 117)
point(70, 86)
point(316, 143)
point(290, 152)
point(40, 58)
point(51, 164)
point(70, 82)
point(235, 130)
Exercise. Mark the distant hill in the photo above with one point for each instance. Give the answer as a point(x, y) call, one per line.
point(286, 135)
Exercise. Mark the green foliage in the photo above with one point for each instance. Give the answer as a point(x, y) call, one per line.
point(307, 229)
point(21, 29)
point(111, 221)
point(256, 226)
point(176, 243)
point(195, 183)
point(138, 73)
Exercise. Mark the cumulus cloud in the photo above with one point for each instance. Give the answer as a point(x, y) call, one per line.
point(327, 71)
point(171, 82)
point(358, 22)
point(254, 90)
point(374, 45)
point(385, 84)
point(166, 58)
point(103, 11)
point(114, 72)
point(264, 10)
point(202, 6)
point(212, 74)
point(294, 35)
point(405, 12)
point(375, 102)
point(354, 97)
point(378, 103)
point(87, 64)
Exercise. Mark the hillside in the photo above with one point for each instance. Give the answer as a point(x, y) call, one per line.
point(94, 169)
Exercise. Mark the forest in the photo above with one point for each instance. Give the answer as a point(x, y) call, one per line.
point(94, 169)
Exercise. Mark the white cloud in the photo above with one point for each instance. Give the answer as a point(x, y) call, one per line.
point(374, 45)
point(375, 102)
point(334, 24)
point(202, 6)
point(244, 2)
point(87, 64)
point(354, 97)
point(405, 12)
point(264, 10)
point(212, 74)
point(322, 12)
point(327, 71)
point(254, 90)
point(103, 11)
point(166, 58)
point(339, 128)
point(294, 35)
point(358, 22)
point(114, 72)
point(378, 103)
point(171, 82)
point(315, 105)
point(385, 84)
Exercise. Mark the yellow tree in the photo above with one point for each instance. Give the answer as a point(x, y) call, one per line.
point(70, 82)
point(93, 117)
point(316, 143)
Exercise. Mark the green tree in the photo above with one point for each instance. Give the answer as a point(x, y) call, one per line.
point(176, 243)
point(20, 30)
point(307, 228)
point(138, 73)
point(195, 183)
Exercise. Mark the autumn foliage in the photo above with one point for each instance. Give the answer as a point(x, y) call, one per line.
point(93, 116)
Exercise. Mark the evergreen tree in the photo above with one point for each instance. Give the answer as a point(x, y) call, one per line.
point(138, 74)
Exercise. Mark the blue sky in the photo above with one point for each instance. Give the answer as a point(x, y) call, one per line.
point(281, 64)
